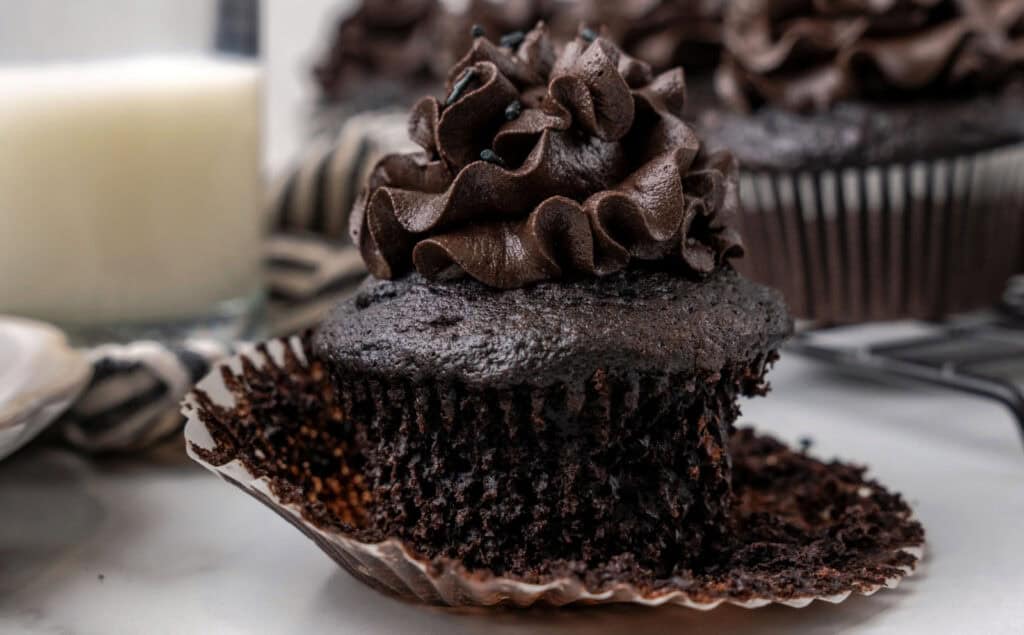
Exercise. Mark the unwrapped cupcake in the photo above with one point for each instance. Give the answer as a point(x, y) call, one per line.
point(881, 148)
point(532, 397)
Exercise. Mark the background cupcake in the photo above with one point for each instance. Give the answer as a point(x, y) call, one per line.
point(667, 33)
point(384, 54)
point(879, 141)
point(498, 18)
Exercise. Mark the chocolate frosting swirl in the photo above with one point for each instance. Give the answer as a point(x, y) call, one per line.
point(588, 167)
point(806, 55)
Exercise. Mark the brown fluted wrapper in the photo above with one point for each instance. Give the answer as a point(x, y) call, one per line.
point(921, 239)
point(268, 423)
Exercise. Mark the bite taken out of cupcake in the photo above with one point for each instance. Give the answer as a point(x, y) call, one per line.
point(533, 397)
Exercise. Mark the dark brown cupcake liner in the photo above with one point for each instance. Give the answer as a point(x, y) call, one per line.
point(787, 552)
point(919, 239)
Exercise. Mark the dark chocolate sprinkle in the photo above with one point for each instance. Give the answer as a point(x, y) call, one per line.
point(492, 157)
point(513, 39)
point(477, 31)
point(460, 86)
point(513, 110)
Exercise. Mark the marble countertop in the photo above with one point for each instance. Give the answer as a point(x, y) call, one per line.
point(155, 545)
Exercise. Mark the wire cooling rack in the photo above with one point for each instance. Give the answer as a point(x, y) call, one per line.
point(981, 354)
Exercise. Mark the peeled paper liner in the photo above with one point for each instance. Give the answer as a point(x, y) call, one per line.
point(393, 568)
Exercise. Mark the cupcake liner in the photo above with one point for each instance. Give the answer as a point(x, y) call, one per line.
point(917, 239)
point(394, 568)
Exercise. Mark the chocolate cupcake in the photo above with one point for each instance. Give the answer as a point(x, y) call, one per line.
point(880, 145)
point(570, 175)
point(533, 396)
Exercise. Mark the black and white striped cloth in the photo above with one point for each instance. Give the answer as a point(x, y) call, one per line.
point(317, 196)
point(131, 402)
point(133, 399)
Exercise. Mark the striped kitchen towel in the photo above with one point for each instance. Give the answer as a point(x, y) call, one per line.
point(132, 400)
point(317, 196)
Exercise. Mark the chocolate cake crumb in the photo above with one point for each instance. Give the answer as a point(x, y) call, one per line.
point(286, 426)
point(516, 479)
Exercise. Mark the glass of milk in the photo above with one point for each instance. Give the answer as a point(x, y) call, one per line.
point(130, 167)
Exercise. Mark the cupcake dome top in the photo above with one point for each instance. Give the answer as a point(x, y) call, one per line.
point(542, 163)
point(806, 55)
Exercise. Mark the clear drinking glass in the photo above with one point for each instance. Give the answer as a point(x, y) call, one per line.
point(130, 166)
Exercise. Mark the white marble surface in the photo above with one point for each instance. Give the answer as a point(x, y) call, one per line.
point(158, 546)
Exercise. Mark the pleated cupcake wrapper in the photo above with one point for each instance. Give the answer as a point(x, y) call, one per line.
point(392, 567)
point(918, 239)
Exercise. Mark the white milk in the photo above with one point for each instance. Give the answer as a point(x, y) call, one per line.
point(129, 190)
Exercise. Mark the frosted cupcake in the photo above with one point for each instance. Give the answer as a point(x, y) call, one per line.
point(533, 396)
point(880, 143)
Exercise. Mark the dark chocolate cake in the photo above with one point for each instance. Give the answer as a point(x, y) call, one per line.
point(553, 333)
point(561, 424)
